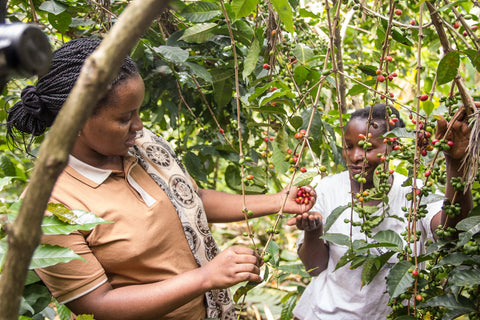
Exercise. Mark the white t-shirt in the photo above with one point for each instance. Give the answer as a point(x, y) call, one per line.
point(338, 294)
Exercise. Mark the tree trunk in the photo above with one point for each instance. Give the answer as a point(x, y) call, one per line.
point(99, 70)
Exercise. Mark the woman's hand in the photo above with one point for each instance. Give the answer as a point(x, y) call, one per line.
point(459, 134)
point(295, 206)
point(233, 265)
point(308, 221)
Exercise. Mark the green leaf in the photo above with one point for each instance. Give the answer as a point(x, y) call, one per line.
point(450, 301)
point(337, 238)
point(401, 37)
point(223, 92)
point(465, 276)
point(199, 33)
point(7, 166)
point(470, 226)
point(63, 312)
point(243, 8)
point(399, 279)
point(199, 71)
point(37, 297)
point(172, 54)
point(60, 21)
point(356, 90)
point(284, 13)
point(391, 237)
point(368, 69)
point(296, 122)
point(251, 59)
point(448, 67)
point(273, 249)
point(474, 57)
point(4, 182)
point(53, 7)
point(303, 53)
point(428, 107)
point(332, 217)
point(278, 159)
point(304, 178)
point(454, 258)
point(195, 166)
point(201, 11)
point(287, 308)
point(80, 219)
point(47, 255)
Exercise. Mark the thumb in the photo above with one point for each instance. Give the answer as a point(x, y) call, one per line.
point(292, 221)
point(441, 127)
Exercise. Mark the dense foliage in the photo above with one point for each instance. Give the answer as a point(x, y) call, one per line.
point(253, 95)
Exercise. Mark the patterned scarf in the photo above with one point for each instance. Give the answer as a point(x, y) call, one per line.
point(157, 157)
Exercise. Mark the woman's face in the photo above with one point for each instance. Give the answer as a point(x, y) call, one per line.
point(354, 154)
point(111, 131)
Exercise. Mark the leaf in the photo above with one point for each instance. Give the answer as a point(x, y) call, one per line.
point(284, 13)
point(53, 7)
point(368, 69)
point(391, 237)
point(47, 255)
point(199, 33)
point(454, 258)
point(287, 308)
point(304, 178)
point(199, 71)
point(427, 106)
point(251, 59)
point(273, 249)
point(7, 166)
point(333, 216)
point(80, 219)
point(464, 276)
point(278, 159)
point(470, 226)
point(60, 21)
point(303, 53)
point(399, 279)
point(337, 238)
point(37, 297)
point(449, 301)
point(356, 89)
point(63, 312)
point(448, 67)
point(4, 182)
point(195, 166)
point(474, 57)
point(223, 92)
point(201, 11)
point(173, 54)
point(296, 122)
point(243, 8)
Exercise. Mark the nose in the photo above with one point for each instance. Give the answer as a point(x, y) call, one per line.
point(137, 123)
point(356, 155)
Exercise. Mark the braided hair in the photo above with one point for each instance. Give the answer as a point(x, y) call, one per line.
point(40, 104)
point(379, 116)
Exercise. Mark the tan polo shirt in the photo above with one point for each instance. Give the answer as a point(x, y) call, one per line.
point(145, 243)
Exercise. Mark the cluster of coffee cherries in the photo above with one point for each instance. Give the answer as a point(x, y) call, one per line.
point(303, 196)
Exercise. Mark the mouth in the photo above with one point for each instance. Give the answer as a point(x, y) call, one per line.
point(357, 169)
point(131, 140)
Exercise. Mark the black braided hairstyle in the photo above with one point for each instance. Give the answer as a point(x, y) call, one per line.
point(40, 104)
point(378, 116)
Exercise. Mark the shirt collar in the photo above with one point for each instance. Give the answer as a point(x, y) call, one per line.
point(90, 172)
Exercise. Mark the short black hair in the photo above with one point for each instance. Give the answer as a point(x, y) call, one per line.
point(40, 104)
point(379, 116)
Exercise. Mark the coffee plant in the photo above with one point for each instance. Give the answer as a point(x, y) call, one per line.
point(253, 95)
